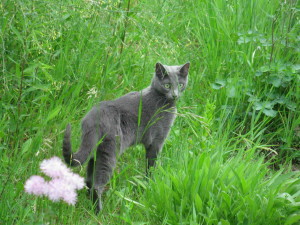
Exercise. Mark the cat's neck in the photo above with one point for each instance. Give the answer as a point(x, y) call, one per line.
point(157, 97)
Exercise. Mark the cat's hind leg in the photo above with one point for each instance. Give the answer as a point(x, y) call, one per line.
point(90, 181)
point(105, 163)
point(90, 172)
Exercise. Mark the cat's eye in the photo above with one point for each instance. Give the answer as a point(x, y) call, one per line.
point(181, 85)
point(167, 86)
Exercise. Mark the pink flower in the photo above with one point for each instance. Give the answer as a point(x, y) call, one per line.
point(54, 167)
point(63, 185)
point(70, 197)
point(35, 185)
point(74, 180)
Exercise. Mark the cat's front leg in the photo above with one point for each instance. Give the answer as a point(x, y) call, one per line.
point(152, 151)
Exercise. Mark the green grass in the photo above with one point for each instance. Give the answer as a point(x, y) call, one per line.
point(231, 155)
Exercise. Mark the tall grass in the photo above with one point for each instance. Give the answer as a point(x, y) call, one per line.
point(237, 121)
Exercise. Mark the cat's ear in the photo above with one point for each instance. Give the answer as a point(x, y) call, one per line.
point(160, 70)
point(184, 70)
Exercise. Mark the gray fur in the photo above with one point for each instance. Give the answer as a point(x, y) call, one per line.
point(137, 117)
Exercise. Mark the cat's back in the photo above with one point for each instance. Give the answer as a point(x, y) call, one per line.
point(125, 103)
point(108, 113)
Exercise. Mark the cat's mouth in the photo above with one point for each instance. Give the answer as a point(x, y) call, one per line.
point(172, 97)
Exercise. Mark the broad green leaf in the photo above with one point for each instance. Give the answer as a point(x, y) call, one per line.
point(198, 203)
point(42, 87)
point(296, 67)
point(270, 112)
point(128, 199)
point(18, 70)
point(231, 92)
point(264, 69)
point(243, 40)
point(218, 84)
point(291, 106)
point(53, 113)
point(140, 182)
point(276, 81)
point(287, 196)
point(297, 194)
point(26, 146)
point(31, 69)
point(293, 219)
point(279, 179)
point(241, 216)
point(258, 73)
point(223, 222)
point(18, 34)
point(47, 75)
point(2, 134)
point(257, 106)
point(226, 198)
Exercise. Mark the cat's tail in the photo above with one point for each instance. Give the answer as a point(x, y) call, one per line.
point(78, 158)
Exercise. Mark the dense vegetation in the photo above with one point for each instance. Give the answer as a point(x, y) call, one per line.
point(232, 156)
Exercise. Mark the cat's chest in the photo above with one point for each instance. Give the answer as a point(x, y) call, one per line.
point(163, 119)
point(156, 129)
point(173, 116)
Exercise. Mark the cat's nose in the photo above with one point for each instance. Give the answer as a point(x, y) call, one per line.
point(175, 96)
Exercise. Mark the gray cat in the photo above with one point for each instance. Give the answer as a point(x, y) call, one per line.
point(138, 117)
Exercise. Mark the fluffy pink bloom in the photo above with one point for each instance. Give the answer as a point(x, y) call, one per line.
point(58, 189)
point(74, 180)
point(35, 185)
point(54, 167)
point(63, 185)
point(70, 197)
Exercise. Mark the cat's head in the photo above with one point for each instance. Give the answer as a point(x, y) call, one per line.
point(170, 81)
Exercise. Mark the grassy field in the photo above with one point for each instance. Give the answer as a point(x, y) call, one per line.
point(233, 154)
